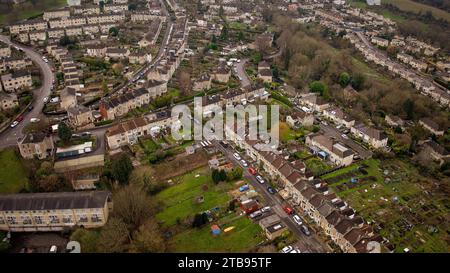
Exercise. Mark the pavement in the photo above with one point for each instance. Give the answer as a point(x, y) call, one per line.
point(305, 243)
point(10, 135)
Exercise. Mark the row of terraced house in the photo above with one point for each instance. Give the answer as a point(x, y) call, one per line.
point(314, 197)
point(425, 86)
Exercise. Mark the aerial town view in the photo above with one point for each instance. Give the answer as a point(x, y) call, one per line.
point(225, 126)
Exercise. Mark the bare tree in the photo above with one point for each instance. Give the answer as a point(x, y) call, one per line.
point(114, 236)
point(148, 239)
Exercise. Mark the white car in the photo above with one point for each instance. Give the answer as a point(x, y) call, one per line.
point(297, 220)
point(244, 163)
point(287, 249)
point(344, 136)
point(34, 120)
point(14, 124)
point(256, 214)
point(265, 209)
point(237, 156)
point(260, 179)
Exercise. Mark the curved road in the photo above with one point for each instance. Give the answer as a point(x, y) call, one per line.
point(240, 71)
point(10, 135)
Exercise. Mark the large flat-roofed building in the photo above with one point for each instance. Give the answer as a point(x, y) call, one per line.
point(29, 212)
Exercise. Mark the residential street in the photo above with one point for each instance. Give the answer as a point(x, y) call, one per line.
point(305, 243)
point(10, 135)
point(240, 69)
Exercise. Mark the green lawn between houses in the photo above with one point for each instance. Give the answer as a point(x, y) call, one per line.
point(179, 200)
point(242, 238)
point(13, 176)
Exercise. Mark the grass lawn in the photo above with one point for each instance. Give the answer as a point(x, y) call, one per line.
point(286, 133)
point(242, 238)
point(149, 145)
point(12, 173)
point(179, 200)
point(27, 11)
point(238, 25)
point(316, 165)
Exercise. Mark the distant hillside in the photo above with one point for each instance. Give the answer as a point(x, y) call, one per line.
point(415, 7)
point(10, 13)
point(440, 4)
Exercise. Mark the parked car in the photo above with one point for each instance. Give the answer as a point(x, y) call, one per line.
point(287, 249)
point(288, 210)
point(260, 179)
point(53, 249)
point(34, 120)
point(252, 171)
point(19, 118)
point(265, 209)
point(344, 136)
point(271, 190)
point(45, 99)
point(305, 230)
point(244, 163)
point(14, 124)
point(255, 214)
point(30, 108)
point(297, 220)
point(237, 156)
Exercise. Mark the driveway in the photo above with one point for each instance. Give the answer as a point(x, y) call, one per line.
point(9, 136)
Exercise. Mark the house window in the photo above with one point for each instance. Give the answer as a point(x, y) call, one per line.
point(67, 219)
point(26, 220)
point(53, 219)
point(2, 221)
point(38, 220)
point(83, 219)
point(96, 218)
point(11, 220)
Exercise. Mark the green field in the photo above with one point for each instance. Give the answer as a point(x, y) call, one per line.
point(179, 201)
point(27, 10)
point(242, 238)
point(411, 6)
point(393, 195)
point(13, 176)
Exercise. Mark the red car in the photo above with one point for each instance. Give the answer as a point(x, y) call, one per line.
point(288, 210)
point(252, 171)
point(19, 118)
